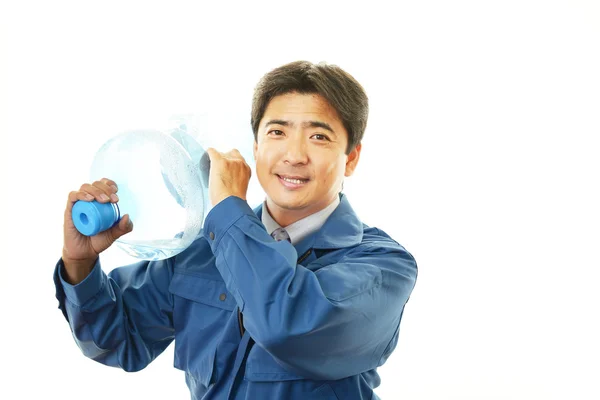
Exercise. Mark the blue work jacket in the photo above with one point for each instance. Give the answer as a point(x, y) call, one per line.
point(253, 318)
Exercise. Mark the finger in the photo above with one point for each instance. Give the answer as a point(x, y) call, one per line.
point(232, 152)
point(75, 196)
point(99, 195)
point(124, 226)
point(109, 189)
point(106, 187)
point(78, 195)
point(214, 154)
point(111, 183)
point(125, 223)
point(211, 153)
point(230, 155)
point(111, 235)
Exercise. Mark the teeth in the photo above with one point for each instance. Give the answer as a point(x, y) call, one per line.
point(295, 181)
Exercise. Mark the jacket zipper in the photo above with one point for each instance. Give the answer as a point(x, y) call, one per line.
point(241, 322)
point(304, 256)
point(241, 316)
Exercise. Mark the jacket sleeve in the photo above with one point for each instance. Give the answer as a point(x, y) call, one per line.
point(336, 322)
point(123, 319)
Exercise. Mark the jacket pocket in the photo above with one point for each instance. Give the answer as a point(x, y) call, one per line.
point(283, 384)
point(201, 289)
point(262, 367)
point(202, 307)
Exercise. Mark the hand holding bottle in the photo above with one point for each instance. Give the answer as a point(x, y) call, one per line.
point(79, 251)
point(229, 175)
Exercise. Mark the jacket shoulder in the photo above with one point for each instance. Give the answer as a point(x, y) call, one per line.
point(376, 240)
point(378, 237)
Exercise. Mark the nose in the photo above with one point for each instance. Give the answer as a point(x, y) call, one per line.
point(296, 153)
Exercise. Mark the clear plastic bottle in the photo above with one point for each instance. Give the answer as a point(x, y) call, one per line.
point(160, 186)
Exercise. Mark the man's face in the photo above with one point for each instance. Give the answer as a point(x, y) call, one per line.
point(300, 155)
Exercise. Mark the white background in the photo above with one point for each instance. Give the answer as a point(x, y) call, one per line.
point(481, 158)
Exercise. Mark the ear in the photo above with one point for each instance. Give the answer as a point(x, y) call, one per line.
point(255, 149)
point(352, 160)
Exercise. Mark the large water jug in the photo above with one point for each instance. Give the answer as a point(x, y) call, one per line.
point(162, 181)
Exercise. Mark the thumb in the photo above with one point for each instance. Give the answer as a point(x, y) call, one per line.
point(124, 226)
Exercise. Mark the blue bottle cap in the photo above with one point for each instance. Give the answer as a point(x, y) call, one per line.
point(91, 218)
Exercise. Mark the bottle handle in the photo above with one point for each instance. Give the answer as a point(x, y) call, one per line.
point(204, 166)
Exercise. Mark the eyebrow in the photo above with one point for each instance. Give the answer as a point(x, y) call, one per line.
point(308, 124)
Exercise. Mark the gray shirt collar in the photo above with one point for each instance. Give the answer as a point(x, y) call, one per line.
point(301, 228)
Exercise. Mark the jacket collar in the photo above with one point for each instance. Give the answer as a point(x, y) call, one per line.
point(342, 229)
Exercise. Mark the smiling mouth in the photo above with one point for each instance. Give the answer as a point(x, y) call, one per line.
point(293, 181)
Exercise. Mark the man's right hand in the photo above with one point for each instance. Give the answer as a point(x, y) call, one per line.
point(80, 252)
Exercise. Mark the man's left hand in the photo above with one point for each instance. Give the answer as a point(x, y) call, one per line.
point(229, 175)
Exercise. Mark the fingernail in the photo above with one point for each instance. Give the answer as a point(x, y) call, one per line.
point(89, 197)
point(103, 197)
point(114, 197)
point(114, 188)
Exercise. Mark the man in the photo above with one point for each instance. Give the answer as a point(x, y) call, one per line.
point(257, 311)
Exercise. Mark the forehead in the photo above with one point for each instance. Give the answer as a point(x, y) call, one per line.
point(296, 106)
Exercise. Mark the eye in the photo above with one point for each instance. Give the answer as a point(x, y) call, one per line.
point(320, 137)
point(275, 132)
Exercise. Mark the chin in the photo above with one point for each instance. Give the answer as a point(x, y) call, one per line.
point(288, 201)
point(289, 205)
